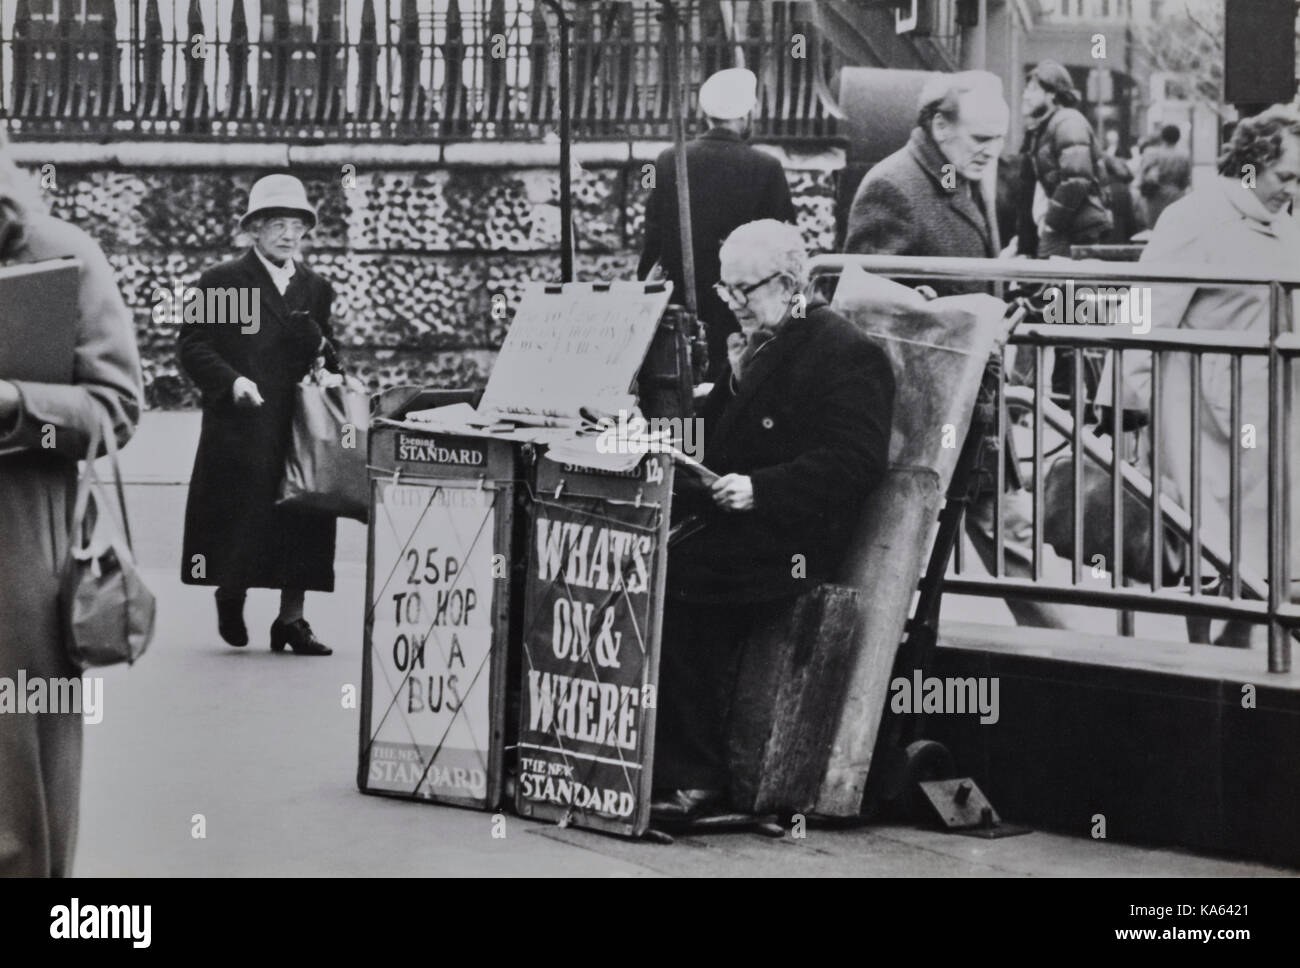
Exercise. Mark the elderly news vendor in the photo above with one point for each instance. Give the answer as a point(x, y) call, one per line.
point(799, 432)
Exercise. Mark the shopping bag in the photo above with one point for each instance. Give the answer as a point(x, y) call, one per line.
point(1098, 513)
point(325, 469)
point(107, 612)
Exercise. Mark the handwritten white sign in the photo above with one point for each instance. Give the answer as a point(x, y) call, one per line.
point(574, 346)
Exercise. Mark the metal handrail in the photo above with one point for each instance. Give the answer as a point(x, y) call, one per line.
point(1250, 596)
point(1046, 270)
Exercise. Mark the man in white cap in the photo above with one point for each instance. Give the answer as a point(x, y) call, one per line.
point(731, 184)
point(235, 536)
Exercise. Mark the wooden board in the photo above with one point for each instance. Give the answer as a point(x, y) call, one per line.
point(787, 702)
point(887, 568)
point(434, 658)
point(592, 617)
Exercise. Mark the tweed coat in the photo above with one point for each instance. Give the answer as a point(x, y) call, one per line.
point(905, 206)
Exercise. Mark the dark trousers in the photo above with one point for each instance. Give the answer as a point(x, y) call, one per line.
point(698, 662)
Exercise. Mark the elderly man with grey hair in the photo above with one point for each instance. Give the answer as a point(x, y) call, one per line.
point(928, 197)
point(798, 432)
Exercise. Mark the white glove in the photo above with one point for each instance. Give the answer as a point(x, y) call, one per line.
point(245, 393)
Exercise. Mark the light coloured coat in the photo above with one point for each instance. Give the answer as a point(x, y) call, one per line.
point(40, 754)
point(1222, 227)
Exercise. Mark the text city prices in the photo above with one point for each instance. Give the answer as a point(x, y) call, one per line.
point(432, 641)
point(586, 632)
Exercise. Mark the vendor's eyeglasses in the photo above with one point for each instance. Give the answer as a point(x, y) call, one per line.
point(739, 295)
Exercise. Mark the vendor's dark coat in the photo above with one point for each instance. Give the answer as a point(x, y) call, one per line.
point(231, 518)
point(810, 425)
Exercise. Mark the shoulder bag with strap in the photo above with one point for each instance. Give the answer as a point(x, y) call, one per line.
point(108, 613)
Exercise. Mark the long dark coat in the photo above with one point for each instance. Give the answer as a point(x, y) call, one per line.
point(40, 754)
point(230, 518)
point(810, 425)
point(731, 183)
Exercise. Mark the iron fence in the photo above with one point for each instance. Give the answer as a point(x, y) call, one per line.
point(399, 70)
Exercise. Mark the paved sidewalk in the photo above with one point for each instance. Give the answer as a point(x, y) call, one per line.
point(258, 750)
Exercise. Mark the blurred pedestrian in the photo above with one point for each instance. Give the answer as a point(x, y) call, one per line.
point(1166, 174)
point(1062, 160)
point(236, 537)
point(1240, 221)
point(1125, 213)
point(44, 429)
point(730, 183)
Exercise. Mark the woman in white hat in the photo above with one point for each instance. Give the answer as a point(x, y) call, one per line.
point(235, 536)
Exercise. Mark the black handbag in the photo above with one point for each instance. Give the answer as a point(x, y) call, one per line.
point(107, 612)
point(1058, 522)
point(325, 468)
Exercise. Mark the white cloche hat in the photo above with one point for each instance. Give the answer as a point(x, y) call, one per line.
point(279, 192)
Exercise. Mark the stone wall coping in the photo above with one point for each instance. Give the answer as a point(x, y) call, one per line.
point(1165, 657)
point(370, 155)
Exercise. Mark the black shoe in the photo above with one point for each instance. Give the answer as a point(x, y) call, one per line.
point(230, 621)
point(298, 636)
point(683, 805)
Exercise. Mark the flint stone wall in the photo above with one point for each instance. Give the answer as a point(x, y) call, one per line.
point(415, 255)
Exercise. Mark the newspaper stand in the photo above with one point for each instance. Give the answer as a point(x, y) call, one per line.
point(592, 620)
point(437, 618)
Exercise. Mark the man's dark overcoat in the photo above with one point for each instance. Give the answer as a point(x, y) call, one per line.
point(230, 517)
point(810, 425)
point(731, 183)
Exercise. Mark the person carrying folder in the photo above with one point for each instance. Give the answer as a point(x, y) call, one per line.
point(45, 429)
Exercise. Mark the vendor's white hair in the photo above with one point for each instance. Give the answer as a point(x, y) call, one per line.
point(775, 246)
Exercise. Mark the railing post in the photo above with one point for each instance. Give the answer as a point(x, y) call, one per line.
point(196, 85)
point(566, 137)
point(239, 98)
point(455, 115)
point(1279, 585)
point(151, 99)
point(370, 102)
